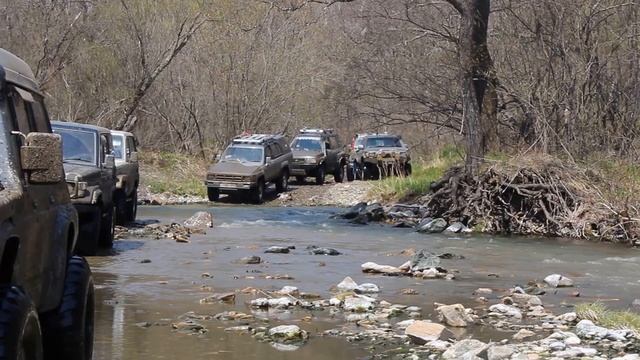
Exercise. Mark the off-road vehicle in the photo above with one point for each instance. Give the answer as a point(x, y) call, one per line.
point(248, 165)
point(87, 152)
point(46, 293)
point(128, 176)
point(379, 155)
point(317, 152)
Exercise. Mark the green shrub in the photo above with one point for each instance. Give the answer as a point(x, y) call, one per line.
point(613, 319)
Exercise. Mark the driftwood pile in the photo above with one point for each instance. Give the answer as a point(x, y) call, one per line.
point(543, 198)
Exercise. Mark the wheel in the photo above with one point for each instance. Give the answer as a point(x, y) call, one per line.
point(68, 330)
point(120, 200)
point(339, 174)
point(20, 335)
point(132, 206)
point(107, 227)
point(283, 182)
point(320, 175)
point(358, 170)
point(350, 173)
point(213, 194)
point(89, 232)
point(407, 169)
point(258, 193)
point(300, 179)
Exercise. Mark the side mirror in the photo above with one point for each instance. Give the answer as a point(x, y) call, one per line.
point(268, 160)
point(360, 147)
point(217, 158)
point(41, 157)
point(133, 157)
point(109, 162)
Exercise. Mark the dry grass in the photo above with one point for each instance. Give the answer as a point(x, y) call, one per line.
point(173, 173)
point(613, 319)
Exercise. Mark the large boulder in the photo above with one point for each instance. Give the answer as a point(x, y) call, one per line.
point(587, 329)
point(557, 280)
point(465, 349)
point(424, 260)
point(457, 227)
point(200, 220)
point(359, 304)
point(432, 226)
point(422, 332)
point(454, 315)
point(506, 310)
point(347, 284)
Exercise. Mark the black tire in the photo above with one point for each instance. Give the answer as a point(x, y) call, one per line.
point(20, 334)
point(320, 173)
point(358, 171)
point(120, 200)
point(107, 228)
point(339, 174)
point(300, 179)
point(132, 206)
point(68, 330)
point(283, 182)
point(257, 196)
point(89, 232)
point(350, 173)
point(213, 194)
point(407, 169)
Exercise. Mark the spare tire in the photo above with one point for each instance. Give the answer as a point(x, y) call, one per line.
point(68, 330)
point(20, 336)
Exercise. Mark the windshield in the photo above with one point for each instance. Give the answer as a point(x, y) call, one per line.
point(307, 144)
point(77, 145)
point(243, 154)
point(381, 142)
point(118, 146)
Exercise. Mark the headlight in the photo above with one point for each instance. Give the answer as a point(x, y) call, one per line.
point(82, 186)
point(371, 154)
point(247, 178)
point(310, 160)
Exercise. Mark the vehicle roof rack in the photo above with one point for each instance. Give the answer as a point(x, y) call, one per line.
point(255, 139)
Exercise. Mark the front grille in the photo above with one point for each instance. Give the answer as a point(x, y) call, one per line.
point(298, 161)
point(232, 178)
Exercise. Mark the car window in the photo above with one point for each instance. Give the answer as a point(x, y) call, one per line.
point(277, 150)
point(118, 146)
point(269, 151)
point(242, 154)
point(40, 118)
point(19, 107)
point(105, 148)
point(77, 145)
point(359, 141)
point(307, 144)
point(380, 142)
point(131, 144)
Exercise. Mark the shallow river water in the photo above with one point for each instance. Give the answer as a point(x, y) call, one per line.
point(130, 292)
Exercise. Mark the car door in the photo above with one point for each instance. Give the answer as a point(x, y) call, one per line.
point(36, 263)
point(132, 163)
point(107, 183)
point(270, 166)
point(332, 156)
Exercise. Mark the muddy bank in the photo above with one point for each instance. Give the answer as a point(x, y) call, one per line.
point(543, 197)
point(227, 293)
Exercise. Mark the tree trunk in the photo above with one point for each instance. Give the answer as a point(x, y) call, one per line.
point(479, 98)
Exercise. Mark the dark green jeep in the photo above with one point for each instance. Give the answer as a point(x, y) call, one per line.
point(46, 293)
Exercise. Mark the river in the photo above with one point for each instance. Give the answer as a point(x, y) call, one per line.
point(130, 290)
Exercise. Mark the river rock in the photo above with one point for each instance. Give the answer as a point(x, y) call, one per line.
point(289, 290)
point(587, 329)
point(287, 334)
point(189, 327)
point(628, 357)
point(354, 211)
point(250, 260)
point(314, 250)
point(200, 220)
point(347, 284)
point(501, 352)
point(375, 212)
point(275, 303)
point(456, 227)
point(454, 315)
point(277, 250)
point(557, 280)
point(465, 349)
point(575, 352)
point(373, 268)
point(422, 332)
point(432, 226)
point(367, 288)
point(523, 334)
point(358, 304)
point(636, 304)
point(506, 310)
point(424, 260)
point(567, 317)
point(222, 297)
